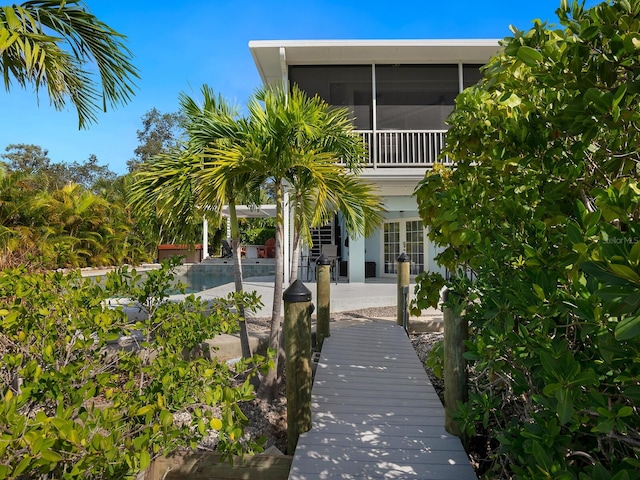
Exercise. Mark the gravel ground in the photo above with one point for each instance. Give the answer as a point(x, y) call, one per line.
point(270, 419)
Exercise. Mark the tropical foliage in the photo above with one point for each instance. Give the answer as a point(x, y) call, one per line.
point(54, 45)
point(306, 149)
point(77, 402)
point(544, 207)
point(48, 221)
point(289, 143)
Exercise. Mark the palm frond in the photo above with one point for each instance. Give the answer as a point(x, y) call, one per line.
point(53, 44)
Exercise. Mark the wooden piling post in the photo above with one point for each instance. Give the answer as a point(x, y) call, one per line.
point(297, 333)
point(455, 366)
point(323, 285)
point(404, 265)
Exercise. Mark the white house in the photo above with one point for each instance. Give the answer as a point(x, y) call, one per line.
point(400, 93)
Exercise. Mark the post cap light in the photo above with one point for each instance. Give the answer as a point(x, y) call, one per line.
point(403, 257)
point(297, 293)
point(323, 260)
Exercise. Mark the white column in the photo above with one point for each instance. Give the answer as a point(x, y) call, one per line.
point(356, 260)
point(374, 107)
point(205, 238)
point(284, 68)
point(286, 247)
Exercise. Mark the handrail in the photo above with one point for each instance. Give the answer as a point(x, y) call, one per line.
point(404, 148)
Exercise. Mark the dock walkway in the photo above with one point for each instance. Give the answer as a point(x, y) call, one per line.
point(375, 413)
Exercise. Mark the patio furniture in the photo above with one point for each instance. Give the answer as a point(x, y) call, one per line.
point(269, 249)
point(331, 252)
point(226, 249)
point(252, 250)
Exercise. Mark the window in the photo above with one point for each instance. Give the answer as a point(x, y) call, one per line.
point(415, 249)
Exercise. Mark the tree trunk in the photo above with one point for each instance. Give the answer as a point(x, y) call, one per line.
point(269, 387)
point(295, 254)
point(237, 277)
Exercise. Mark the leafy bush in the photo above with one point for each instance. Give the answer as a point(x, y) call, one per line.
point(544, 206)
point(69, 226)
point(76, 402)
point(257, 236)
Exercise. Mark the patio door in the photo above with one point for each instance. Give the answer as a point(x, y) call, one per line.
point(408, 236)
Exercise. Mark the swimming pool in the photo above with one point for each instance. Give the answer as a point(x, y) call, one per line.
point(197, 281)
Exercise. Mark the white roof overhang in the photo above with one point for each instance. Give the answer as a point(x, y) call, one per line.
point(269, 55)
point(247, 211)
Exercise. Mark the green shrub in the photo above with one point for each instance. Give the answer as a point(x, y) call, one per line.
point(544, 206)
point(75, 403)
point(257, 236)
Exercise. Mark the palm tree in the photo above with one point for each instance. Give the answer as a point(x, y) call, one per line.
point(212, 127)
point(54, 44)
point(297, 142)
point(301, 144)
point(173, 186)
point(356, 200)
point(17, 232)
point(163, 197)
point(336, 186)
point(126, 240)
point(77, 220)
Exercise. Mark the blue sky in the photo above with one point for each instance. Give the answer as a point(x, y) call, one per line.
point(180, 45)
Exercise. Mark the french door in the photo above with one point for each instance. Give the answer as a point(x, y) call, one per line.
point(408, 236)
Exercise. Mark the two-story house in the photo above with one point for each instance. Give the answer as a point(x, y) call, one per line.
point(400, 93)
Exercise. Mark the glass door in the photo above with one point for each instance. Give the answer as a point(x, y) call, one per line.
point(414, 245)
point(406, 236)
point(391, 246)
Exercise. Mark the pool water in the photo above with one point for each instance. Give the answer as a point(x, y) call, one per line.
point(195, 281)
point(199, 281)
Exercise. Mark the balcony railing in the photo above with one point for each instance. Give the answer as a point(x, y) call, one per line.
point(404, 148)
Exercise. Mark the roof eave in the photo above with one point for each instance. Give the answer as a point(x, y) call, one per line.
point(266, 53)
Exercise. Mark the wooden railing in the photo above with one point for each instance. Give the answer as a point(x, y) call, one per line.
point(404, 148)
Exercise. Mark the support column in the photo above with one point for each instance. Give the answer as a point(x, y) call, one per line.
point(323, 297)
point(286, 240)
point(205, 238)
point(403, 281)
point(455, 366)
point(356, 260)
point(297, 336)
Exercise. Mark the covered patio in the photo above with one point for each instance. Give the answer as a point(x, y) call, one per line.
point(252, 211)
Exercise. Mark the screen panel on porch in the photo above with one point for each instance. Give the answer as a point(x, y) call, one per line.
point(415, 97)
point(340, 85)
point(471, 75)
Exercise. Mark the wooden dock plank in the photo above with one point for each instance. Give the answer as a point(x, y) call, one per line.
point(375, 414)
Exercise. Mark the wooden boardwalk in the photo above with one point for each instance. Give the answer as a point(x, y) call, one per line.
point(375, 413)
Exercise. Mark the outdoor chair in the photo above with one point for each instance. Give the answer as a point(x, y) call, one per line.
point(226, 249)
point(331, 252)
point(269, 249)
